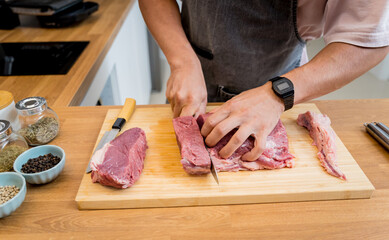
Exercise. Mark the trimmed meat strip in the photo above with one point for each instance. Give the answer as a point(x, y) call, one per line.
point(119, 163)
point(319, 127)
point(275, 156)
point(194, 157)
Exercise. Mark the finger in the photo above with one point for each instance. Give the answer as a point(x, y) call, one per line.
point(202, 109)
point(259, 147)
point(171, 102)
point(188, 110)
point(236, 141)
point(177, 109)
point(212, 121)
point(170, 99)
point(220, 130)
point(214, 110)
point(168, 89)
point(172, 105)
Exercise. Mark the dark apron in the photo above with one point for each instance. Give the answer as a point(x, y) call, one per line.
point(242, 44)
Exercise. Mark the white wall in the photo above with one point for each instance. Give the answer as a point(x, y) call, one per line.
point(125, 71)
point(381, 71)
point(373, 84)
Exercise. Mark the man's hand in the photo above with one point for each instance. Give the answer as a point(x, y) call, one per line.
point(186, 91)
point(256, 113)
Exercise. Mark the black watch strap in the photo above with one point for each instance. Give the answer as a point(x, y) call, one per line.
point(289, 101)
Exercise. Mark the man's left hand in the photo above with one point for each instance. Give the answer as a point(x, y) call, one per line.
point(255, 112)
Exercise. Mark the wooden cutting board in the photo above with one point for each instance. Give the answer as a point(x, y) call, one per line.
point(164, 183)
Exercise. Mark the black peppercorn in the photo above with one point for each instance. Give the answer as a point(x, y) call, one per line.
point(41, 163)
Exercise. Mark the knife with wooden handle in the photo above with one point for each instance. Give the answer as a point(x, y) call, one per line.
point(123, 117)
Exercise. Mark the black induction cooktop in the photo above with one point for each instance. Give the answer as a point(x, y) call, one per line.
point(39, 58)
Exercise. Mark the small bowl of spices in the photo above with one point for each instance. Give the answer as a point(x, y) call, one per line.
point(12, 192)
point(40, 165)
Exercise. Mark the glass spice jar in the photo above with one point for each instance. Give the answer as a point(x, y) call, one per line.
point(11, 146)
point(39, 124)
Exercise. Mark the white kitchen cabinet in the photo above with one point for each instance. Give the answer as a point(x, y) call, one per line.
point(125, 71)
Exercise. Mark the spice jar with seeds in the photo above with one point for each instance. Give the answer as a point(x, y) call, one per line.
point(11, 146)
point(39, 123)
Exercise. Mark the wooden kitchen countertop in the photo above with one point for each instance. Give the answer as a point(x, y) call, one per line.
point(50, 211)
point(100, 29)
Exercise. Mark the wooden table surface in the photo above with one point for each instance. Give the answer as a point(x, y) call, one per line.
point(49, 211)
point(100, 29)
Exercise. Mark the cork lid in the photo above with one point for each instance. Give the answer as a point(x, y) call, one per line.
point(6, 99)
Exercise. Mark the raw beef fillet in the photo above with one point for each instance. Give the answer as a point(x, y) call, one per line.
point(275, 156)
point(194, 157)
point(324, 138)
point(119, 163)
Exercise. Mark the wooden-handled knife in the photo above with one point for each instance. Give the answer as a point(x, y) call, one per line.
point(123, 117)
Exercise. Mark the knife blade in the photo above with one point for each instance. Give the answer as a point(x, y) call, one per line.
point(214, 172)
point(122, 118)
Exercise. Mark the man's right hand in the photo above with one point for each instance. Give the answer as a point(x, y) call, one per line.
point(186, 90)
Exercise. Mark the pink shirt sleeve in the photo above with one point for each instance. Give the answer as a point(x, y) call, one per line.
point(360, 22)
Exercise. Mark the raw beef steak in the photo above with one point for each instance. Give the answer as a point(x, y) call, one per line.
point(194, 157)
point(319, 126)
point(276, 154)
point(119, 163)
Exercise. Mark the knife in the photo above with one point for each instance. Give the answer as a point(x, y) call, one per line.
point(123, 117)
point(214, 172)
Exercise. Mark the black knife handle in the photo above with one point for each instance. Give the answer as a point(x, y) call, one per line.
point(119, 123)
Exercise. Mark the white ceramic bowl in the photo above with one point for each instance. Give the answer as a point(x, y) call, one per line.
point(9, 179)
point(45, 176)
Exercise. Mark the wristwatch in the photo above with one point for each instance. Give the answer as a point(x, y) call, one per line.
point(284, 89)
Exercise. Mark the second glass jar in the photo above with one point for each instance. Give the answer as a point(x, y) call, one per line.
point(39, 123)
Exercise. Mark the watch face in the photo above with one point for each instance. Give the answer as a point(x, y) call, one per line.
point(284, 87)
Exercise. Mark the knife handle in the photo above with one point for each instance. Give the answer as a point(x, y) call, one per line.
point(125, 113)
point(128, 109)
